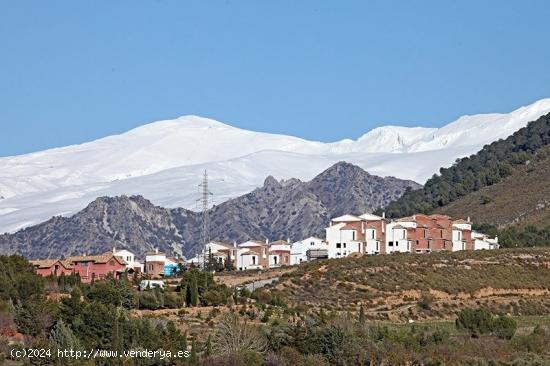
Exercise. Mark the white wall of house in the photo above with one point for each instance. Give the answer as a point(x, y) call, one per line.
point(483, 242)
point(129, 258)
point(342, 243)
point(462, 226)
point(275, 259)
point(396, 237)
point(298, 251)
point(249, 260)
point(458, 244)
point(372, 246)
point(156, 258)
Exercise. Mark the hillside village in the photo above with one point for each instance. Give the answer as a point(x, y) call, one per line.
point(346, 235)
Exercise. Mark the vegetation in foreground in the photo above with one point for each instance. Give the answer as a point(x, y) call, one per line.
point(222, 326)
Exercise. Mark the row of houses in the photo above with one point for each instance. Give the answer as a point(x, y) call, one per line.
point(257, 254)
point(346, 235)
point(372, 234)
point(356, 235)
point(116, 263)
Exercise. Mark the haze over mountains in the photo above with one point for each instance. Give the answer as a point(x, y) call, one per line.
point(164, 160)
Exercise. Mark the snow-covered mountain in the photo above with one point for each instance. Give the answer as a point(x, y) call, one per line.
point(164, 160)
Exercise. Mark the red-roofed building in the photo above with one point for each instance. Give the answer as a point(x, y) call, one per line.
point(47, 267)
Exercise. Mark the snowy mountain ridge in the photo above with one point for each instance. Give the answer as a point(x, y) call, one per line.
point(163, 161)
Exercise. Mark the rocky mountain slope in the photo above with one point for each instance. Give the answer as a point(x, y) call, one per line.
point(489, 166)
point(163, 161)
point(277, 210)
point(522, 198)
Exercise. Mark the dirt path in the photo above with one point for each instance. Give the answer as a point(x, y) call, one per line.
point(240, 278)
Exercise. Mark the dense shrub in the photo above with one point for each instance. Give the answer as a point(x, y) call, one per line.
point(481, 321)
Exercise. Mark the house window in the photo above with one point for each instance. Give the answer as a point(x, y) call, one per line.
point(338, 245)
point(275, 259)
point(425, 233)
point(312, 243)
point(254, 260)
point(353, 235)
point(344, 245)
point(390, 243)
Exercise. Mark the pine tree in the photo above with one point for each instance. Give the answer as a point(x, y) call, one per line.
point(63, 337)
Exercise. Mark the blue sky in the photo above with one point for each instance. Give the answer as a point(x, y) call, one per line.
point(73, 71)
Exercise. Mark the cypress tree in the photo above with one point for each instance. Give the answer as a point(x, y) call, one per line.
point(194, 291)
point(194, 358)
point(362, 317)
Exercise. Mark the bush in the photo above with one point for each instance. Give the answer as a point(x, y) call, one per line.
point(504, 327)
point(172, 300)
point(481, 321)
point(148, 300)
point(476, 321)
point(426, 300)
point(215, 297)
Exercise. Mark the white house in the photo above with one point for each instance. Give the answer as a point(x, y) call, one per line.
point(396, 235)
point(343, 236)
point(300, 249)
point(482, 241)
point(279, 253)
point(221, 251)
point(252, 254)
point(374, 230)
point(459, 229)
point(130, 259)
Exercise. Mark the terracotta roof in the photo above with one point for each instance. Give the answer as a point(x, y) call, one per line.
point(102, 258)
point(66, 263)
point(348, 227)
point(278, 242)
point(44, 263)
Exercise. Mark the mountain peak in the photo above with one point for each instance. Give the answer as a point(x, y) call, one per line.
point(343, 167)
point(270, 181)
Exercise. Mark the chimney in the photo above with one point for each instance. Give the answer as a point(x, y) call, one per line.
point(468, 219)
point(414, 217)
point(114, 250)
point(234, 243)
point(157, 250)
point(384, 214)
point(266, 241)
point(288, 240)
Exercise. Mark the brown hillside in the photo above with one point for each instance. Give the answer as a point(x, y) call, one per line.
point(522, 198)
point(434, 286)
